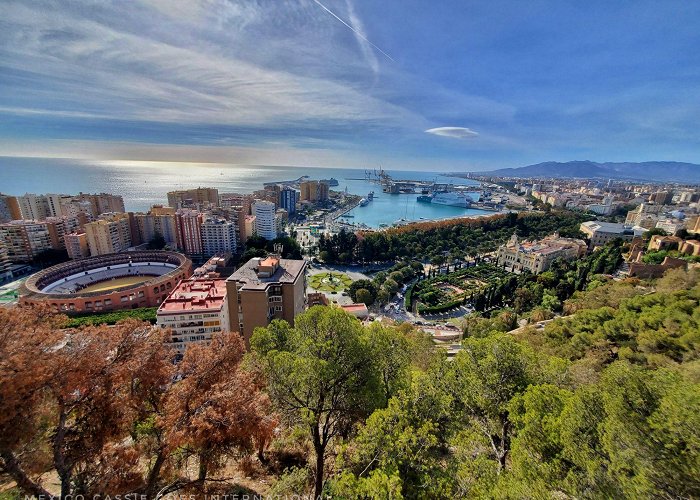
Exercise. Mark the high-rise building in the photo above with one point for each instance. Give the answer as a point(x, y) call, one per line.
point(194, 310)
point(58, 227)
point(265, 289)
point(267, 195)
point(189, 231)
point(661, 197)
point(24, 239)
point(33, 207)
point(248, 228)
point(281, 219)
point(158, 221)
point(265, 226)
point(241, 204)
point(110, 234)
point(9, 208)
point(323, 191)
point(77, 245)
point(194, 198)
point(288, 200)
point(218, 236)
point(308, 191)
point(5, 263)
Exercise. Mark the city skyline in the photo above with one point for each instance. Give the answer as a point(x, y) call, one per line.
point(405, 85)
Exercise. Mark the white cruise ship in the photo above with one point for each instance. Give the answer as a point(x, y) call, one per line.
point(451, 198)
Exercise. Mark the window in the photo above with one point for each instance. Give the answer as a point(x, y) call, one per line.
point(278, 308)
point(108, 302)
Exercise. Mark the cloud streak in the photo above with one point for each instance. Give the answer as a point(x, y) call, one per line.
point(358, 32)
point(454, 132)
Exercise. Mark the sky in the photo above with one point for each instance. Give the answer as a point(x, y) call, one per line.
point(453, 85)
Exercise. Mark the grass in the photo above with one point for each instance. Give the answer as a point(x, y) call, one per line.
point(330, 282)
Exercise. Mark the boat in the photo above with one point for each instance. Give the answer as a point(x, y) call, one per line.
point(448, 198)
point(331, 182)
point(364, 202)
point(370, 196)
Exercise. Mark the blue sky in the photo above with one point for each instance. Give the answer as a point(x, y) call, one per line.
point(406, 84)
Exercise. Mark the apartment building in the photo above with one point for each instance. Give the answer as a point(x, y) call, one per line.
point(5, 263)
point(288, 200)
point(538, 256)
point(9, 208)
point(249, 227)
point(158, 221)
point(265, 289)
point(194, 198)
point(188, 223)
point(265, 225)
point(24, 239)
point(194, 310)
point(218, 236)
point(110, 234)
point(77, 245)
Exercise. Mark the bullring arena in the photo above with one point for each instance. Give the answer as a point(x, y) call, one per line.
point(108, 282)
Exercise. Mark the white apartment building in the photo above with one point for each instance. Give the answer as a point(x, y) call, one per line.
point(194, 310)
point(218, 236)
point(265, 224)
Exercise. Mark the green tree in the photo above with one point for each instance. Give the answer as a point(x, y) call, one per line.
point(365, 296)
point(364, 284)
point(320, 374)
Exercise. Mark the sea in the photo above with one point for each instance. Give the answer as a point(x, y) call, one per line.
point(145, 183)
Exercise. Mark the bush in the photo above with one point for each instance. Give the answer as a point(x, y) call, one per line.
point(111, 318)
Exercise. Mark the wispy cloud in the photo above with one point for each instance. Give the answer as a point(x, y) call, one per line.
point(454, 132)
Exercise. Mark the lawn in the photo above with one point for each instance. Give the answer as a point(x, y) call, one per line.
point(330, 282)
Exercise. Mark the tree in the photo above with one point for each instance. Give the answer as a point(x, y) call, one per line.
point(363, 284)
point(216, 407)
point(365, 296)
point(79, 399)
point(109, 411)
point(485, 375)
point(157, 243)
point(320, 374)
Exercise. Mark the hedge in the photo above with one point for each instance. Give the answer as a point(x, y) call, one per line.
point(111, 318)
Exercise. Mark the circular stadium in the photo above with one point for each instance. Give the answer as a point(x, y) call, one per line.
point(110, 282)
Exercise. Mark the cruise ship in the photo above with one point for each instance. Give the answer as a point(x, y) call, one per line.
point(364, 202)
point(331, 182)
point(450, 198)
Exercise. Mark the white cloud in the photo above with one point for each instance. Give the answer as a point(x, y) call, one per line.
point(454, 132)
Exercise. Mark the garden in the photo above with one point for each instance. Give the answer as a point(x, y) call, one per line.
point(330, 282)
point(444, 292)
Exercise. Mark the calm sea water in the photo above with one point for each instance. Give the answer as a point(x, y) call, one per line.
point(144, 183)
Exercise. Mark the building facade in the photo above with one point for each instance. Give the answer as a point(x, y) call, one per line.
point(265, 289)
point(24, 239)
point(288, 200)
point(189, 231)
point(111, 234)
point(77, 245)
point(600, 233)
point(538, 256)
point(265, 225)
point(218, 236)
point(194, 198)
point(194, 311)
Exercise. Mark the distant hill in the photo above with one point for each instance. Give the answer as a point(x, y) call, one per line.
point(662, 171)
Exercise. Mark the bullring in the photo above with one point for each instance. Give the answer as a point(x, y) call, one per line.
point(112, 282)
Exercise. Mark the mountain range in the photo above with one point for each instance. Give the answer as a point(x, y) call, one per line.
point(660, 171)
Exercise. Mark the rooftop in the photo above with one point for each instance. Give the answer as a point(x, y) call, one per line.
point(195, 295)
point(287, 271)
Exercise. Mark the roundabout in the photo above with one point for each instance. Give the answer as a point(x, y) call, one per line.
point(330, 282)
